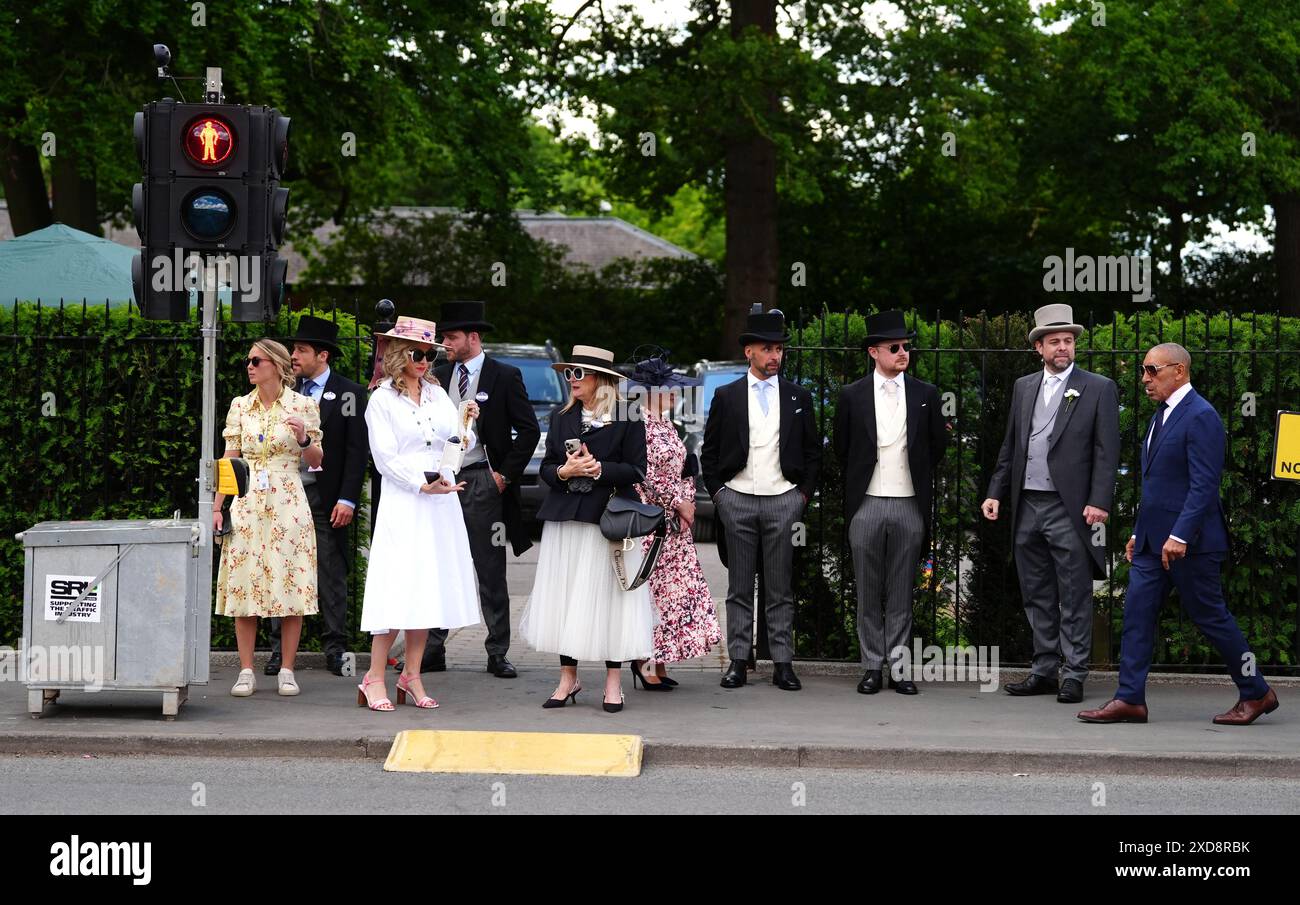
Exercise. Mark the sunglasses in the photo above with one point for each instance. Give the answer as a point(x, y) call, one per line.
point(421, 355)
point(255, 361)
point(574, 373)
point(1153, 370)
point(894, 347)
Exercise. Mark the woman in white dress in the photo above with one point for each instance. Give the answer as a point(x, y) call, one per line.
point(578, 608)
point(420, 574)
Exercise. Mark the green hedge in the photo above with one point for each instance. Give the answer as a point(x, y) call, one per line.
point(977, 360)
point(100, 419)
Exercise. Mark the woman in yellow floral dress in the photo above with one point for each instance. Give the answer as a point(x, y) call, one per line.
point(268, 560)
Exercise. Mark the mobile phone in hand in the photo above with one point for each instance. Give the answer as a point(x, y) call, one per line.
point(573, 446)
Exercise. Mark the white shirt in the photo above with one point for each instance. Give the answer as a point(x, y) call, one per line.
point(1175, 397)
point(407, 440)
point(762, 475)
point(880, 381)
point(769, 387)
point(1049, 388)
point(892, 477)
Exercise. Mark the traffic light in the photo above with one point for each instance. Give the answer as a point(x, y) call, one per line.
point(211, 195)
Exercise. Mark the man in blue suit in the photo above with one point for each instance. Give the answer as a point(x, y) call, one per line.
point(1181, 539)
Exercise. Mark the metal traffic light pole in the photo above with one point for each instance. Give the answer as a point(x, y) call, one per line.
point(209, 317)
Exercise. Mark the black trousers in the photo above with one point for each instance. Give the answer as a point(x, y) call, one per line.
point(609, 664)
point(480, 503)
point(333, 560)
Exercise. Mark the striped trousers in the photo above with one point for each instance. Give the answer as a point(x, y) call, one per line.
point(756, 523)
point(885, 535)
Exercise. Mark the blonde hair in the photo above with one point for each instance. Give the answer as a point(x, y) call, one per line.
point(279, 356)
point(606, 395)
point(395, 361)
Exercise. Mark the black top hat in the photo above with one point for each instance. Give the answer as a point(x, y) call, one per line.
point(318, 332)
point(884, 326)
point(467, 316)
point(765, 327)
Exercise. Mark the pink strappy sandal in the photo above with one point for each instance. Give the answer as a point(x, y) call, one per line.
point(383, 704)
point(404, 688)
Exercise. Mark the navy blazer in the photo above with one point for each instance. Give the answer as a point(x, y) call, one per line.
point(619, 447)
point(1181, 474)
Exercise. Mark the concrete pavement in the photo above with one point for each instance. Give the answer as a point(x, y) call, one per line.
point(948, 727)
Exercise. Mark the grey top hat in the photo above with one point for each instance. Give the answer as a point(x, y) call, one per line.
point(1054, 319)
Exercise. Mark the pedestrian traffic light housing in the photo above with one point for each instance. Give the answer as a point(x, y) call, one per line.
point(210, 197)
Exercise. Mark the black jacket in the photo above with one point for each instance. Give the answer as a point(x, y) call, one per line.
point(344, 441)
point(726, 436)
point(619, 446)
point(856, 447)
point(506, 407)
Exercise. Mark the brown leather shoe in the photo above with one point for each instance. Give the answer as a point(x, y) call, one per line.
point(1116, 711)
point(1243, 713)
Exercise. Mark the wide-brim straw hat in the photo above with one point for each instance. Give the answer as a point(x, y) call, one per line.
point(590, 358)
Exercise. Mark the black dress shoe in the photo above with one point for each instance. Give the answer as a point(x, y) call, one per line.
point(334, 663)
point(1035, 684)
point(783, 677)
point(903, 686)
point(871, 682)
point(433, 661)
point(500, 667)
point(272, 665)
point(1071, 692)
point(735, 675)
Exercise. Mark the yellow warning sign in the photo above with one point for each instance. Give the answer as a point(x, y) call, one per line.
point(1286, 447)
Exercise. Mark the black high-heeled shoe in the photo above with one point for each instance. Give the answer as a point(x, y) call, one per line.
point(671, 683)
point(647, 686)
point(613, 708)
point(551, 703)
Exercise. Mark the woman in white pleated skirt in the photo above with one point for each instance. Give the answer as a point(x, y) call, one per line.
point(578, 609)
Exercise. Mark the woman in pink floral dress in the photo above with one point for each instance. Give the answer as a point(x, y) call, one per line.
point(686, 622)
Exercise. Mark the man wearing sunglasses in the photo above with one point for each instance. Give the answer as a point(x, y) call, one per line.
point(1180, 540)
point(1057, 467)
point(889, 438)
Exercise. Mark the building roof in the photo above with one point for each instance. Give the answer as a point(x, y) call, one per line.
point(591, 242)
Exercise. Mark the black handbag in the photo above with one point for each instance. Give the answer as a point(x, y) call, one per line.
point(625, 519)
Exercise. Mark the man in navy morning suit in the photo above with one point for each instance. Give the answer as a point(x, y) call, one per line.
point(1181, 539)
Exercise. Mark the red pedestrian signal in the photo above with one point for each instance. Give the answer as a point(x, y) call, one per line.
point(209, 141)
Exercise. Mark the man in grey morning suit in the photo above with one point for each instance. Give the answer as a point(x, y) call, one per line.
point(1057, 466)
point(889, 438)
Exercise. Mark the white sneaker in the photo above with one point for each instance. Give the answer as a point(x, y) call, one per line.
point(245, 685)
point(288, 685)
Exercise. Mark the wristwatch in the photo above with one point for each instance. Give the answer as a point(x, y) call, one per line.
point(305, 444)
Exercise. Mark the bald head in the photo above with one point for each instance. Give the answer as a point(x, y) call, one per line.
point(1167, 367)
point(1174, 354)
